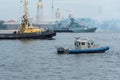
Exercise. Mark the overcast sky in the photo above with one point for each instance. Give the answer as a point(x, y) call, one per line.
point(95, 9)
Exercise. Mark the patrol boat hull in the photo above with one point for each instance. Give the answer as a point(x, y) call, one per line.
point(41, 35)
point(61, 50)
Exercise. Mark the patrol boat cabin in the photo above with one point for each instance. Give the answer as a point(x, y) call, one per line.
point(83, 43)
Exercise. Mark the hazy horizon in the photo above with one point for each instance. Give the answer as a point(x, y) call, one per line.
point(95, 9)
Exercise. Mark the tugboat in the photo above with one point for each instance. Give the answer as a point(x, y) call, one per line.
point(83, 46)
point(27, 32)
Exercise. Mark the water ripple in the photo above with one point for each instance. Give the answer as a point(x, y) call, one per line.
point(38, 60)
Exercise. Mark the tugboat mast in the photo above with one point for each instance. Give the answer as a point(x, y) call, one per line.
point(25, 7)
point(25, 16)
point(24, 24)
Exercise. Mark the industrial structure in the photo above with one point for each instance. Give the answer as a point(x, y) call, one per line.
point(39, 14)
point(58, 14)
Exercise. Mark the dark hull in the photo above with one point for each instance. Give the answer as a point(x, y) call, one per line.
point(63, 31)
point(43, 35)
point(83, 30)
point(94, 50)
point(77, 30)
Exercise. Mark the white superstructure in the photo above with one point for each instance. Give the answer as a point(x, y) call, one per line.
point(83, 43)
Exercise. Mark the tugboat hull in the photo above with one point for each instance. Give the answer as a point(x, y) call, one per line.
point(42, 35)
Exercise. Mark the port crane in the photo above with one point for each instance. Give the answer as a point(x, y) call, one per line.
point(39, 14)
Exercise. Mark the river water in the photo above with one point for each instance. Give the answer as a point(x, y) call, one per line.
point(38, 59)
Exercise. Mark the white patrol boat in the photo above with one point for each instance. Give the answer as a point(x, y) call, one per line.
point(83, 46)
